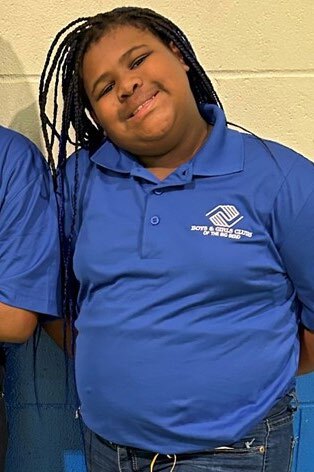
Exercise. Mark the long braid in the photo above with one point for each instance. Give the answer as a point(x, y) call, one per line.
point(45, 81)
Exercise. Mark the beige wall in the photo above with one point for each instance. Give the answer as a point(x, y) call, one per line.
point(259, 53)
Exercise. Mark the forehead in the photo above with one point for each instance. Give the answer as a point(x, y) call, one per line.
point(118, 39)
point(106, 54)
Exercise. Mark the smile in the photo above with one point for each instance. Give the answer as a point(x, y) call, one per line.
point(141, 109)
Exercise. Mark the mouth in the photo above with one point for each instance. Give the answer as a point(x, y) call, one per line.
point(145, 106)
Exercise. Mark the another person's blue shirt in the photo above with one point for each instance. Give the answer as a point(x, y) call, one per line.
point(29, 243)
point(190, 289)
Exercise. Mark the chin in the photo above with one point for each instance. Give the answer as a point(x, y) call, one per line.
point(156, 128)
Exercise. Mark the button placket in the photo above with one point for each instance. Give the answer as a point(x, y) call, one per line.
point(152, 227)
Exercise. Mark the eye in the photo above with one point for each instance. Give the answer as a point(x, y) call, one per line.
point(138, 61)
point(105, 91)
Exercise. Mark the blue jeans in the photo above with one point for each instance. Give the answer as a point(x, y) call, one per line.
point(267, 448)
point(3, 423)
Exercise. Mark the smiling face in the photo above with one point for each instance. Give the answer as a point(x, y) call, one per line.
point(139, 90)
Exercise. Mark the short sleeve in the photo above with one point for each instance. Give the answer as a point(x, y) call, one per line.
point(293, 230)
point(29, 242)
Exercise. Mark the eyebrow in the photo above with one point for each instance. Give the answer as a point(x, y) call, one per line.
point(124, 56)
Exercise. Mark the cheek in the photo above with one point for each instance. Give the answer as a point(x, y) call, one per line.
point(114, 129)
point(105, 111)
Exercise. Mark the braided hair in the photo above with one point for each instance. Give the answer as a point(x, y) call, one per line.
point(73, 125)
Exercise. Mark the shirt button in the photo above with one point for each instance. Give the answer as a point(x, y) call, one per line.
point(157, 192)
point(155, 220)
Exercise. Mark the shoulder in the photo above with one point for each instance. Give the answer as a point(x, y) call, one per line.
point(12, 140)
point(74, 178)
point(78, 163)
point(276, 157)
point(22, 166)
point(276, 177)
point(17, 151)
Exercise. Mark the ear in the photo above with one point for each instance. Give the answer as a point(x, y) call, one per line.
point(176, 51)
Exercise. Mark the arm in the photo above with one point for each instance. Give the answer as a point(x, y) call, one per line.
point(306, 362)
point(56, 330)
point(29, 243)
point(293, 233)
point(16, 324)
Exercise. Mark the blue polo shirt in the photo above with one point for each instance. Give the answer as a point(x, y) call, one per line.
point(190, 289)
point(29, 244)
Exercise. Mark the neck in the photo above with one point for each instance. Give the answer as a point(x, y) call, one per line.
point(190, 142)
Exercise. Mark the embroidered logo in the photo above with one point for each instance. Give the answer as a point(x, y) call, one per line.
point(224, 215)
point(223, 219)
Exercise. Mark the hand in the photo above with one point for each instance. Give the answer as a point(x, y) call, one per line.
point(306, 361)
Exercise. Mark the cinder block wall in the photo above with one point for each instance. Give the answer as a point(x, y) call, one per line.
point(259, 54)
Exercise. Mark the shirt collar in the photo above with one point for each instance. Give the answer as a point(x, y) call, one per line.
point(113, 158)
point(222, 153)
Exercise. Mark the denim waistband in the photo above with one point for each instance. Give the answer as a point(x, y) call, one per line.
point(289, 400)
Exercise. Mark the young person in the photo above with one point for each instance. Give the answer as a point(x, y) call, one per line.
point(29, 247)
point(187, 251)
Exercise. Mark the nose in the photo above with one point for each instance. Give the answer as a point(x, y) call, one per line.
point(129, 82)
